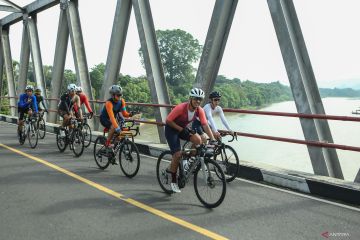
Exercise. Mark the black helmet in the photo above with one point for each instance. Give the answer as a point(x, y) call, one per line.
point(215, 94)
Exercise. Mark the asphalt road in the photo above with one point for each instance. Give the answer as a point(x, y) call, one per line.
point(79, 201)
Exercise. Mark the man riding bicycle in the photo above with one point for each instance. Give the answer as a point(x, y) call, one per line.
point(40, 99)
point(113, 106)
point(84, 100)
point(26, 105)
point(212, 108)
point(69, 105)
point(176, 128)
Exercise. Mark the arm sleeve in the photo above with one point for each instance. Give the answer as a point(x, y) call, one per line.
point(109, 110)
point(34, 104)
point(123, 109)
point(223, 119)
point(87, 105)
point(22, 102)
point(210, 119)
point(202, 116)
point(174, 113)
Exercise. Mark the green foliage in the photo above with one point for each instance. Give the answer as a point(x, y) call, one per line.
point(339, 92)
point(97, 74)
point(179, 50)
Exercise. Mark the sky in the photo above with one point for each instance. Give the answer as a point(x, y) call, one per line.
point(330, 29)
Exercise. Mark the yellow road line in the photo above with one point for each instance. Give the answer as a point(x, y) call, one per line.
point(133, 202)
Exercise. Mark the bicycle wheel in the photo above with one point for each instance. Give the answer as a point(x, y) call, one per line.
point(42, 128)
point(228, 160)
point(129, 158)
point(33, 135)
point(86, 132)
point(162, 176)
point(100, 156)
point(61, 142)
point(210, 189)
point(77, 143)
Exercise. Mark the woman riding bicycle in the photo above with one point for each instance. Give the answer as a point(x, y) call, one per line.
point(176, 128)
point(113, 106)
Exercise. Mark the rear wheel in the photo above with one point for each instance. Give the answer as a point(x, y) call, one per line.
point(163, 177)
point(129, 158)
point(86, 132)
point(100, 155)
point(228, 160)
point(210, 187)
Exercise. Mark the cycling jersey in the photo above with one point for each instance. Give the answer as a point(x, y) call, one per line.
point(67, 103)
point(24, 104)
point(180, 115)
point(210, 112)
point(40, 99)
point(84, 100)
point(110, 110)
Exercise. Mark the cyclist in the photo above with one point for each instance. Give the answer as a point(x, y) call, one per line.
point(40, 99)
point(84, 100)
point(26, 105)
point(176, 128)
point(69, 105)
point(113, 106)
point(212, 108)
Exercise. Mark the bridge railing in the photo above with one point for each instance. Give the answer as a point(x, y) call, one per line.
point(251, 135)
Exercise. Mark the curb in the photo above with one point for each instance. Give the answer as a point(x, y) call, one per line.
point(326, 187)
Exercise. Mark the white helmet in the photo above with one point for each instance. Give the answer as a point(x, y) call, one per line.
point(115, 89)
point(197, 92)
point(71, 87)
point(79, 89)
point(29, 87)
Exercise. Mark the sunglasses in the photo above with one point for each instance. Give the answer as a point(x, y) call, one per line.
point(216, 99)
point(197, 99)
point(119, 95)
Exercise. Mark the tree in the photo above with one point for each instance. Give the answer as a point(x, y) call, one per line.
point(97, 74)
point(178, 51)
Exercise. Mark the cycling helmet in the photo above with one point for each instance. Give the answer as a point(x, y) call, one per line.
point(115, 89)
point(29, 87)
point(37, 90)
point(197, 92)
point(71, 87)
point(215, 94)
point(79, 89)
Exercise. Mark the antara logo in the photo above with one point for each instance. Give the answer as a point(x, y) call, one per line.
point(325, 234)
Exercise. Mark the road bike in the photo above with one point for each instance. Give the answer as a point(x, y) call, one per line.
point(123, 144)
point(209, 179)
point(29, 130)
point(41, 126)
point(72, 137)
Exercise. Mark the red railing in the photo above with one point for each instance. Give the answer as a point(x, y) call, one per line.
point(280, 139)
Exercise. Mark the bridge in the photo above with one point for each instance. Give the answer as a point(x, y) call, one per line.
point(47, 194)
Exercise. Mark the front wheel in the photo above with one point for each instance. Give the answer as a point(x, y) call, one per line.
point(163, 177)
point(77, 143)
point(41, 128)
point(22, 135)
point(129, 158)
point(86, 132)
point(228, 160)
point(100, 154)
point(33, 135)
point(61, 141)
point(210, 184)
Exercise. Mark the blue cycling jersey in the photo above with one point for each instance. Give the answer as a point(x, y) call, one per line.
point(23, 102)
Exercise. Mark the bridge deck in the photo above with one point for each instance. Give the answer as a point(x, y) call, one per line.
point(39, 202)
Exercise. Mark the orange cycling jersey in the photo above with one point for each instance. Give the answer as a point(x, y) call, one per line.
point(179, 115)
point(112, 108)
point(84, 100)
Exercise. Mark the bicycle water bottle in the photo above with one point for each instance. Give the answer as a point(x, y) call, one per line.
point(185, 164)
